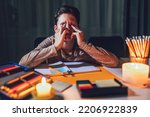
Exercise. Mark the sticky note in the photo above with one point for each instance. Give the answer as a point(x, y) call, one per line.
point(84, 84)
point(107, 83)
point(60, 86)
point(85, 87)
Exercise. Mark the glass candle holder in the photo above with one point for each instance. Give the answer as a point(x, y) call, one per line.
point(135, 74)
point(43, 89)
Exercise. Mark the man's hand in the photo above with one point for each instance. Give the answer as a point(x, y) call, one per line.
point(79, 35)
point(59, 38)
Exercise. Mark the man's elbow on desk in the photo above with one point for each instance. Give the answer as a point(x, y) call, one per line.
point(28, 63)
point(112, 63)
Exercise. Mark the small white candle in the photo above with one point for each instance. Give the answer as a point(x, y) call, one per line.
point(135, 73)
point(43, 89)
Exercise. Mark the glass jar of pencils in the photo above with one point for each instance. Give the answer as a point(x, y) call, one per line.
point(143, 60)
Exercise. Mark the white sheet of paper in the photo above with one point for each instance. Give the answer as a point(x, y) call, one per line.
point(60, 66)
point(57, 63)
point(81, 67)
point(63, 69)
point(73, 63)
point(45, 71)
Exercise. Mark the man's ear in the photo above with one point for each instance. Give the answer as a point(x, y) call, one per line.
point(55, 28)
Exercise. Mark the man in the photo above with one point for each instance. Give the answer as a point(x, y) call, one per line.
point(68, 44)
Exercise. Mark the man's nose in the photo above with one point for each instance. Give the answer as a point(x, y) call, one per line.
point(68, 26)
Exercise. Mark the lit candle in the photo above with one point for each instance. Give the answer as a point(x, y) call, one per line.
point(43, 89)
point(135, 74)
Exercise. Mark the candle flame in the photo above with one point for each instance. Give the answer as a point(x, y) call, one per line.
point(43, 80)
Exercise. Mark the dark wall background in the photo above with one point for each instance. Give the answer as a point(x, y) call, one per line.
point(21, 21)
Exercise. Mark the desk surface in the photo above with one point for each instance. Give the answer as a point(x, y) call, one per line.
point(137, 93)
point(92, 76)
point(104, 73)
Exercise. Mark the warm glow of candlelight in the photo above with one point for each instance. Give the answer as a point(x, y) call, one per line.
point(43, 89)
point(135, 73)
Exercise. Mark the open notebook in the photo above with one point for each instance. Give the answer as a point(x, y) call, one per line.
point(60, 68)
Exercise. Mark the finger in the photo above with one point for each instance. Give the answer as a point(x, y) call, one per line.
point(75, 29)
point(63, 34)
point(73, 35)
point(76, 34)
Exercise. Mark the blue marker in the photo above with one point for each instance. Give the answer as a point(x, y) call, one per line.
point(69, 71)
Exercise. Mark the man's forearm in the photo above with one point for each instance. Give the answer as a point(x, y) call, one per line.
point(37, 56)
point(100, 55)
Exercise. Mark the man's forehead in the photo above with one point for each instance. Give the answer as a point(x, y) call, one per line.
point(67, 17)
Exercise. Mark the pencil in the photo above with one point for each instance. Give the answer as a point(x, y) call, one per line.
point(138, 48)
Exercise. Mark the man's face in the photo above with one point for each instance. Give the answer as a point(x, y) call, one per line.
point(65, 21)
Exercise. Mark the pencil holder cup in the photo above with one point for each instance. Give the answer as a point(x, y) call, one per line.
point(143, 60)
point(139, 48)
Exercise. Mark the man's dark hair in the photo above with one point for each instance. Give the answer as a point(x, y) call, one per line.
point(67, 9)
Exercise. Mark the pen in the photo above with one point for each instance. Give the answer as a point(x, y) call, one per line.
point(69, 72)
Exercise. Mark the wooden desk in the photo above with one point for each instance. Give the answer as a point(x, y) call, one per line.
point(105, 73)
point(138, 93)
point(92, 76)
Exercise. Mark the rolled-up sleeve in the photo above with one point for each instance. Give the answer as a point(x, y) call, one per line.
point(101, 55)
point(43, 51)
